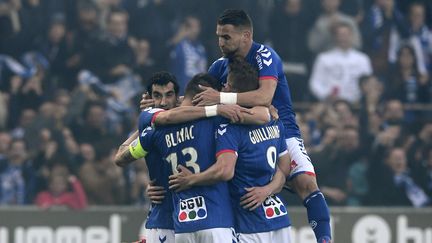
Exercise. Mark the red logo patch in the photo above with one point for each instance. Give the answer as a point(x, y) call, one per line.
point(293, 164)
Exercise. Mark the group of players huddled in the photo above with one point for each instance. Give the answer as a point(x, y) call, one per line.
point(218, 161)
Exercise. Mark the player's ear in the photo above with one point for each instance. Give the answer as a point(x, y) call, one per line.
point(247, 34)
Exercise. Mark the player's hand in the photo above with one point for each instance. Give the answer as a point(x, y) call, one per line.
point(180, 181)
point(273, 112)
point(233, 112)
point(155, 193)
point(146, 101)
point(254, 197)
point(208, 96)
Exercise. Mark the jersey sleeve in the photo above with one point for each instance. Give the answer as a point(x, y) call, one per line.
point(147, 117)
point(283, 149)
point(227, 139)
point(267, 62)
point(145, 138)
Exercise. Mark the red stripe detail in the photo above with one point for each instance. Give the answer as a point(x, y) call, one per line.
point(225, 151)
point(154, 116)
point(310, 173)
point(268, 77)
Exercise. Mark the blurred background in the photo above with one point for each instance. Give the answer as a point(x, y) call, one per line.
point(72, 73)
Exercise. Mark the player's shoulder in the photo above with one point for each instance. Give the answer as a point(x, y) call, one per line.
point(265, 55)
point(220, 62)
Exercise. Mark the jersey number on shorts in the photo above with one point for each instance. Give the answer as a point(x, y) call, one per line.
point(192, 162)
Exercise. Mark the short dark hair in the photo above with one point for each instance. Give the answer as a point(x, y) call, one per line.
point(236, 17)
point(162, 78)
point(243, 76)
point(203, 79)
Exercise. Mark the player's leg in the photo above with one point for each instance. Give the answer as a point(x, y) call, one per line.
point(159, 235)
point(305, 185)
point(216, 235)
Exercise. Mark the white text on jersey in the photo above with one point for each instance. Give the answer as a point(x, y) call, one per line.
point(264, 134)
point(180, 136)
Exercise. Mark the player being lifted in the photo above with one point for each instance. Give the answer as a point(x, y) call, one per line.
point(234, 31)
point(248, 156)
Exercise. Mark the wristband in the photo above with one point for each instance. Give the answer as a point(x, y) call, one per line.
point(210, 110)
point(228, 98)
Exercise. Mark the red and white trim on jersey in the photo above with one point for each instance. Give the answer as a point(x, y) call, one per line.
point(268, 77)
point(155, 115)
point(226, 151)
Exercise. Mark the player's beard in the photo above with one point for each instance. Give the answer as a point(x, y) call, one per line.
point(229, 53)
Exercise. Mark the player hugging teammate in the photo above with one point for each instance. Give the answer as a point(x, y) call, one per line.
point(225, 176)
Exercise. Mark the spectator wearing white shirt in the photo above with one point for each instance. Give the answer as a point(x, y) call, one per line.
point(336, 72)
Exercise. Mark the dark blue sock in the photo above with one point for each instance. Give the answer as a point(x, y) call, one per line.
point(318, 216)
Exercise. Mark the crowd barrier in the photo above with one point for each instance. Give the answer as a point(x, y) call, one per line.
point(124, 224)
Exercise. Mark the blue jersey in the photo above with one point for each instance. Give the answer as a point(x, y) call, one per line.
point(193, 145)
point(258, 149)
point(160, 215)
point(269, 66)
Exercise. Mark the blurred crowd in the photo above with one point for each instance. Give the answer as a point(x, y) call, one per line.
point(72, 73)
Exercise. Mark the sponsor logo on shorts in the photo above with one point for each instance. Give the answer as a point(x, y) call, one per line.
point(273, 207)
point(192, 209)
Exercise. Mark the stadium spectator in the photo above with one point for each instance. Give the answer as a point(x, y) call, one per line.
point(405, 83)
point(383, 28)
point(144, 63)
point(421, 34)
point(396, 185)
point(336, 72)
point(291, 43)
point(320, 37)
point(188, 56)
point(59, 195)
point(102, 180)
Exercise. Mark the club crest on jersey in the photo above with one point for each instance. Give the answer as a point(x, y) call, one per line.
point(273, 207)
point(192, 209)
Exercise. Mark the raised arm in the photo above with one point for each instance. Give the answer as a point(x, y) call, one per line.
point(263, 96)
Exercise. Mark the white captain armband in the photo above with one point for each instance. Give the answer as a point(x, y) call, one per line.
point(228, 98)
point(136, 149)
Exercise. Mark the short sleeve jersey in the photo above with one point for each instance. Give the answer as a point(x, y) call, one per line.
point(192, 145)
point(269, 66)
point(258, 149)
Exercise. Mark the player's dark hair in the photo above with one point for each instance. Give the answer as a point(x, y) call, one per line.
point(243, 77)
point(236, 17)
point(202, 79)
point(162, 79)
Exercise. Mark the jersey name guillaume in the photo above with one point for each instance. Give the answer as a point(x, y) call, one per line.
point(175, 138)
point(263, 134)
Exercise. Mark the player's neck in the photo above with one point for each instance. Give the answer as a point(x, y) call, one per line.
point(243, 52)
point(186, 102)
